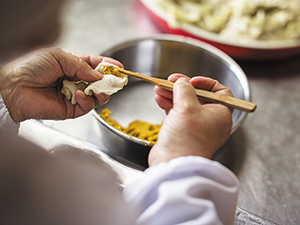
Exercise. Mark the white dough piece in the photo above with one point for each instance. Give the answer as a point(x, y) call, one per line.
point(70, 87)
point(109, 85)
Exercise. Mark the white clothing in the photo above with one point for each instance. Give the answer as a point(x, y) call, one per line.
point(6, 122)
point(187, 190)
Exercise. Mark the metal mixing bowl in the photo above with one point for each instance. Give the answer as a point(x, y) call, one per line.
point(161, 56)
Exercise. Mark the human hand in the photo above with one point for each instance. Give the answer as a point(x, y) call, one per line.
point(30, 85)
point(192, 127)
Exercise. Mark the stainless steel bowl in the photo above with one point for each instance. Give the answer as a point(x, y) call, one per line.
point(161, 56)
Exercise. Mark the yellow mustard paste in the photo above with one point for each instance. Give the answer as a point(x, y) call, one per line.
point(140, 129)
point(111, 70)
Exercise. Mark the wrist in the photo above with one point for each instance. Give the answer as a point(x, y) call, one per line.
point(164, 153)
point(6, 122)
point(8, 91)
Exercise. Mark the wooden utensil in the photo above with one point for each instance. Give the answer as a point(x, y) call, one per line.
point(207, 96)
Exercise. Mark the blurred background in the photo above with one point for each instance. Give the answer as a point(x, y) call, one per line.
point(264, 152)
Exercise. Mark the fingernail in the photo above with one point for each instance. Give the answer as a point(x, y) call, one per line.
point(184, 80)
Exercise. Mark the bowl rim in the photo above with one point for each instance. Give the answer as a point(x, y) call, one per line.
point(241, 76)
point(120, 133)
point(210, 36)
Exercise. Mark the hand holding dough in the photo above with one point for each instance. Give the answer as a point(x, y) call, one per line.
point(69, 88)
point(109, 84)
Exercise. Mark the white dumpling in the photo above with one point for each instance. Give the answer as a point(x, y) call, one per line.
point(109, 84)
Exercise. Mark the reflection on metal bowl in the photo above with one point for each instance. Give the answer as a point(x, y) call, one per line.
point(161, 56)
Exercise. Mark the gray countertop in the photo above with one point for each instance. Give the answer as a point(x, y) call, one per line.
point(264, 152)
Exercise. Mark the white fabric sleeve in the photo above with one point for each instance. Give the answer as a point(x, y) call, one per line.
point(6, 122)
point(187, 190)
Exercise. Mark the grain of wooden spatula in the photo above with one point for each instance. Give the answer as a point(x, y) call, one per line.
point(207, 96)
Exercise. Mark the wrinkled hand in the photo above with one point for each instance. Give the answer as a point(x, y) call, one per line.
point(30, 86)
point(191, 127)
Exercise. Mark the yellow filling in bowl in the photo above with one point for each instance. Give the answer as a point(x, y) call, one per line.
point(140, 129)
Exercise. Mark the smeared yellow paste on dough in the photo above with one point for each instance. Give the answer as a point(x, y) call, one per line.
point(140, 129)
point(111, 70)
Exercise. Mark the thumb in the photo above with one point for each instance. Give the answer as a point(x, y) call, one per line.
point(184, 95)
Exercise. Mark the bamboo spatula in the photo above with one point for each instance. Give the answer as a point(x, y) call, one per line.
point(207, 96)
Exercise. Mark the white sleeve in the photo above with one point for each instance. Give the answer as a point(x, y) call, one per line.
point(187, 190)
point(6, 122)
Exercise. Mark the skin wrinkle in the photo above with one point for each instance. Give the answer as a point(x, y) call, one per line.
point(69, 67)
point(52, 63)
point(66, 68)
point(42, 91)
point(65, 106)
point(185, 138)
point(72, 66)
point(88, 60)
point(75, 77)
point(29, 80)
point(54, 56)
point(215, 85)
point(176, 114)
point(10, 86)
point(74, 112)
point(56, 84)
point(97, 102)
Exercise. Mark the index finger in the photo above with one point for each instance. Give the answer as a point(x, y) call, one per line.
point(93, 60)
point(210, 84)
